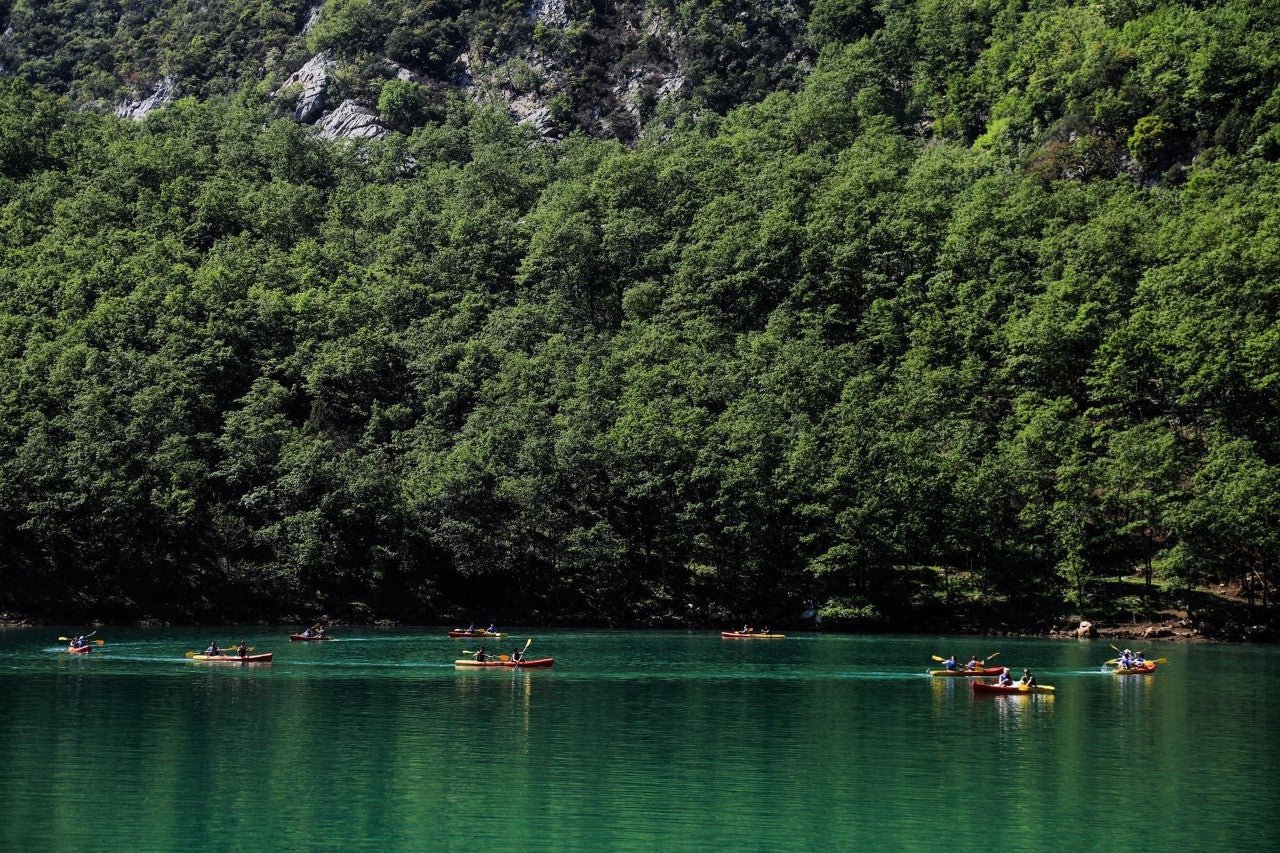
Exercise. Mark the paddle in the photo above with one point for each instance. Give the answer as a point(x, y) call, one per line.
point(95, 642)
point(1027, 687)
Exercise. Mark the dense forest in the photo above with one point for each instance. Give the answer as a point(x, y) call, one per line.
point(984, 305)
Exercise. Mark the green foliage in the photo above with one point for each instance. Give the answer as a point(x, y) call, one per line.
point(404, 104)
point(913, 331)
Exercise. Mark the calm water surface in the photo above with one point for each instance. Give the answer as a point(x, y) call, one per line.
point(634, 741)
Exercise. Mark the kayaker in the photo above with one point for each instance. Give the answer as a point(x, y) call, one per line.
point(471, 629)
point(765, 630)
point(1138, 661)
point(951, 664)
point(492, 629)
point(516, 656)
point(973, 665)
point(81, 642)
point(307, 632)
point(242, 649)
point(480, 655)
point(1126, 659)
point(213, 648)
point(1027, 678)
point(320, 631)
point(1005, 680)
point(746, 629)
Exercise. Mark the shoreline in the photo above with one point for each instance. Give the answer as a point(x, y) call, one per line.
point(1160, 631)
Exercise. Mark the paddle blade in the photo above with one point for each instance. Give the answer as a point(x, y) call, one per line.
point(992, 655)
point(1117, 648)
point(504, 657)
point(65, 639)
point(1112, 662)
point(1162, 661)
point(98, 642)
point(188, 654)
point(938, 659)
point(528, 644)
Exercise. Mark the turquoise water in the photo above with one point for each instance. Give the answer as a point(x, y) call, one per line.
point(633, 741)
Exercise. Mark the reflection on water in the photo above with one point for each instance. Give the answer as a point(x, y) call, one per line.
point(1019, 711)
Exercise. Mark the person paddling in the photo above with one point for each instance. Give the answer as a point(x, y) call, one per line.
point(974, 664)
point(516, 656)
point(492, 629)
point(1027, 679)
point(480, 655)
point(950, 664)
point(243, 649)
point(213, 648)
point(1005, 680)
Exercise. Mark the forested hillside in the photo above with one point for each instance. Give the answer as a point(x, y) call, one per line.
point(986, 304)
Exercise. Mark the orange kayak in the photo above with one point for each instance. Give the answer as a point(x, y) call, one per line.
point(524, 664)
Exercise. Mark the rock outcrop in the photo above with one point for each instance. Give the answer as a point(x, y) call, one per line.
point(352, 120)
point(313, 81)
point(163, 93)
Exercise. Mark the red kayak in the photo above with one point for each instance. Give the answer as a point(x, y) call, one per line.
point(83, 650)
point(262, 658)
point(299, 638)
point(456, 634)
point(1014, 690)
point(525, 664)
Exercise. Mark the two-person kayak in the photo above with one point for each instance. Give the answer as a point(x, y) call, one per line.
point(1012, 690)
point(967, 673)
point(300, 638)
point(262, 658)
point(739, 635)
point(1143, 669)
point(525, 664)
point(463, 633)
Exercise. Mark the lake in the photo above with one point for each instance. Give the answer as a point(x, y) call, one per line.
point(633, 741)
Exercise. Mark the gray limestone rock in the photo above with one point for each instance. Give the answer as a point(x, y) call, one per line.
point(163, 93)
point(351, 121)
point(313, 80)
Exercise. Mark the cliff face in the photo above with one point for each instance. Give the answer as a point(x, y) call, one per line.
point(604, 67)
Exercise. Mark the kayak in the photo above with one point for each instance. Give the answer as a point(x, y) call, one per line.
point(457, 634)
point(1146, 669)
point(1015, 690)
point(298, 638)
point(262, 658)
point(540, 662)
point(738, 635)
point(966, 673)
point(83, 650)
